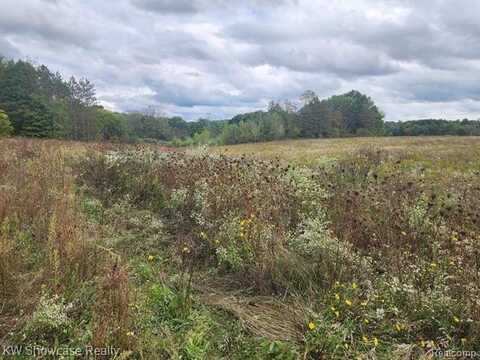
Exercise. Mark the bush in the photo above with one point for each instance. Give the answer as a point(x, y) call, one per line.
point(5, 125)
point(49, 323)
point(332, 260)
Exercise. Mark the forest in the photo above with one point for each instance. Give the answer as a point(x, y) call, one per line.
point(36, 102)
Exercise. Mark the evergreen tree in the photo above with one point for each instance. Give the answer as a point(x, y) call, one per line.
point(38, 121)
point(17, 86)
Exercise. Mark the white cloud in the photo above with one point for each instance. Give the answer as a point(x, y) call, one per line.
point(217, 58)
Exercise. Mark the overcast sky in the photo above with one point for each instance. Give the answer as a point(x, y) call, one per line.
point(214, 58)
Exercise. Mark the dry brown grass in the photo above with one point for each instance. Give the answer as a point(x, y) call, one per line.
point(315, 151)
point(47, 246)
point(263, 316)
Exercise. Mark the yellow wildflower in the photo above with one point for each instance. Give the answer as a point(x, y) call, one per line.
point(151, 258)
point(348, 302)
point(456, 319)
point(375, 341)
point(433, 265)
point(337, 296)
point(130, 333)
point(365, 339)
point(366, 321)
point(337, 313)
point(422, 343)
point(354, 286)
point(312, 326)
point(398, 327)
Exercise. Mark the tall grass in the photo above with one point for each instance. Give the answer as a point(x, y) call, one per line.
point(373, 255)
point(48, 247)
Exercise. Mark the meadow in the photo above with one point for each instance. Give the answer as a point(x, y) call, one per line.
point(316, 152)
point(364, 248)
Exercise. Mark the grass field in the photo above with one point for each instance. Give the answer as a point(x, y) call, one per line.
point(318, 151)
point(362, 248)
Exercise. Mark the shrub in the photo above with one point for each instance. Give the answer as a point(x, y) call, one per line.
point(49, 321)
point(331, 259)
point(5, 125)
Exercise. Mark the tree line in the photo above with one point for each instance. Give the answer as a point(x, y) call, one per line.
point(36, 102)
point(350, 114)
point(423, 127)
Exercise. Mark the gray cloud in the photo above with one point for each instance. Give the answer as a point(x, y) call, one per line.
point(7, 49)
point(218, 57)
point(189, 7)
point(169, 6)
point(45, 21)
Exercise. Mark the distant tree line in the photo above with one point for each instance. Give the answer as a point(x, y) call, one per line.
point(35, 102)
point(433, 127)
point(350, 114)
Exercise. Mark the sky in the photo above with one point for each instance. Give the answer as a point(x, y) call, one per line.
point(217, 58)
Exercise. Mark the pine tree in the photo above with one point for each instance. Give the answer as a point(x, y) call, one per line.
point(39, 121)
